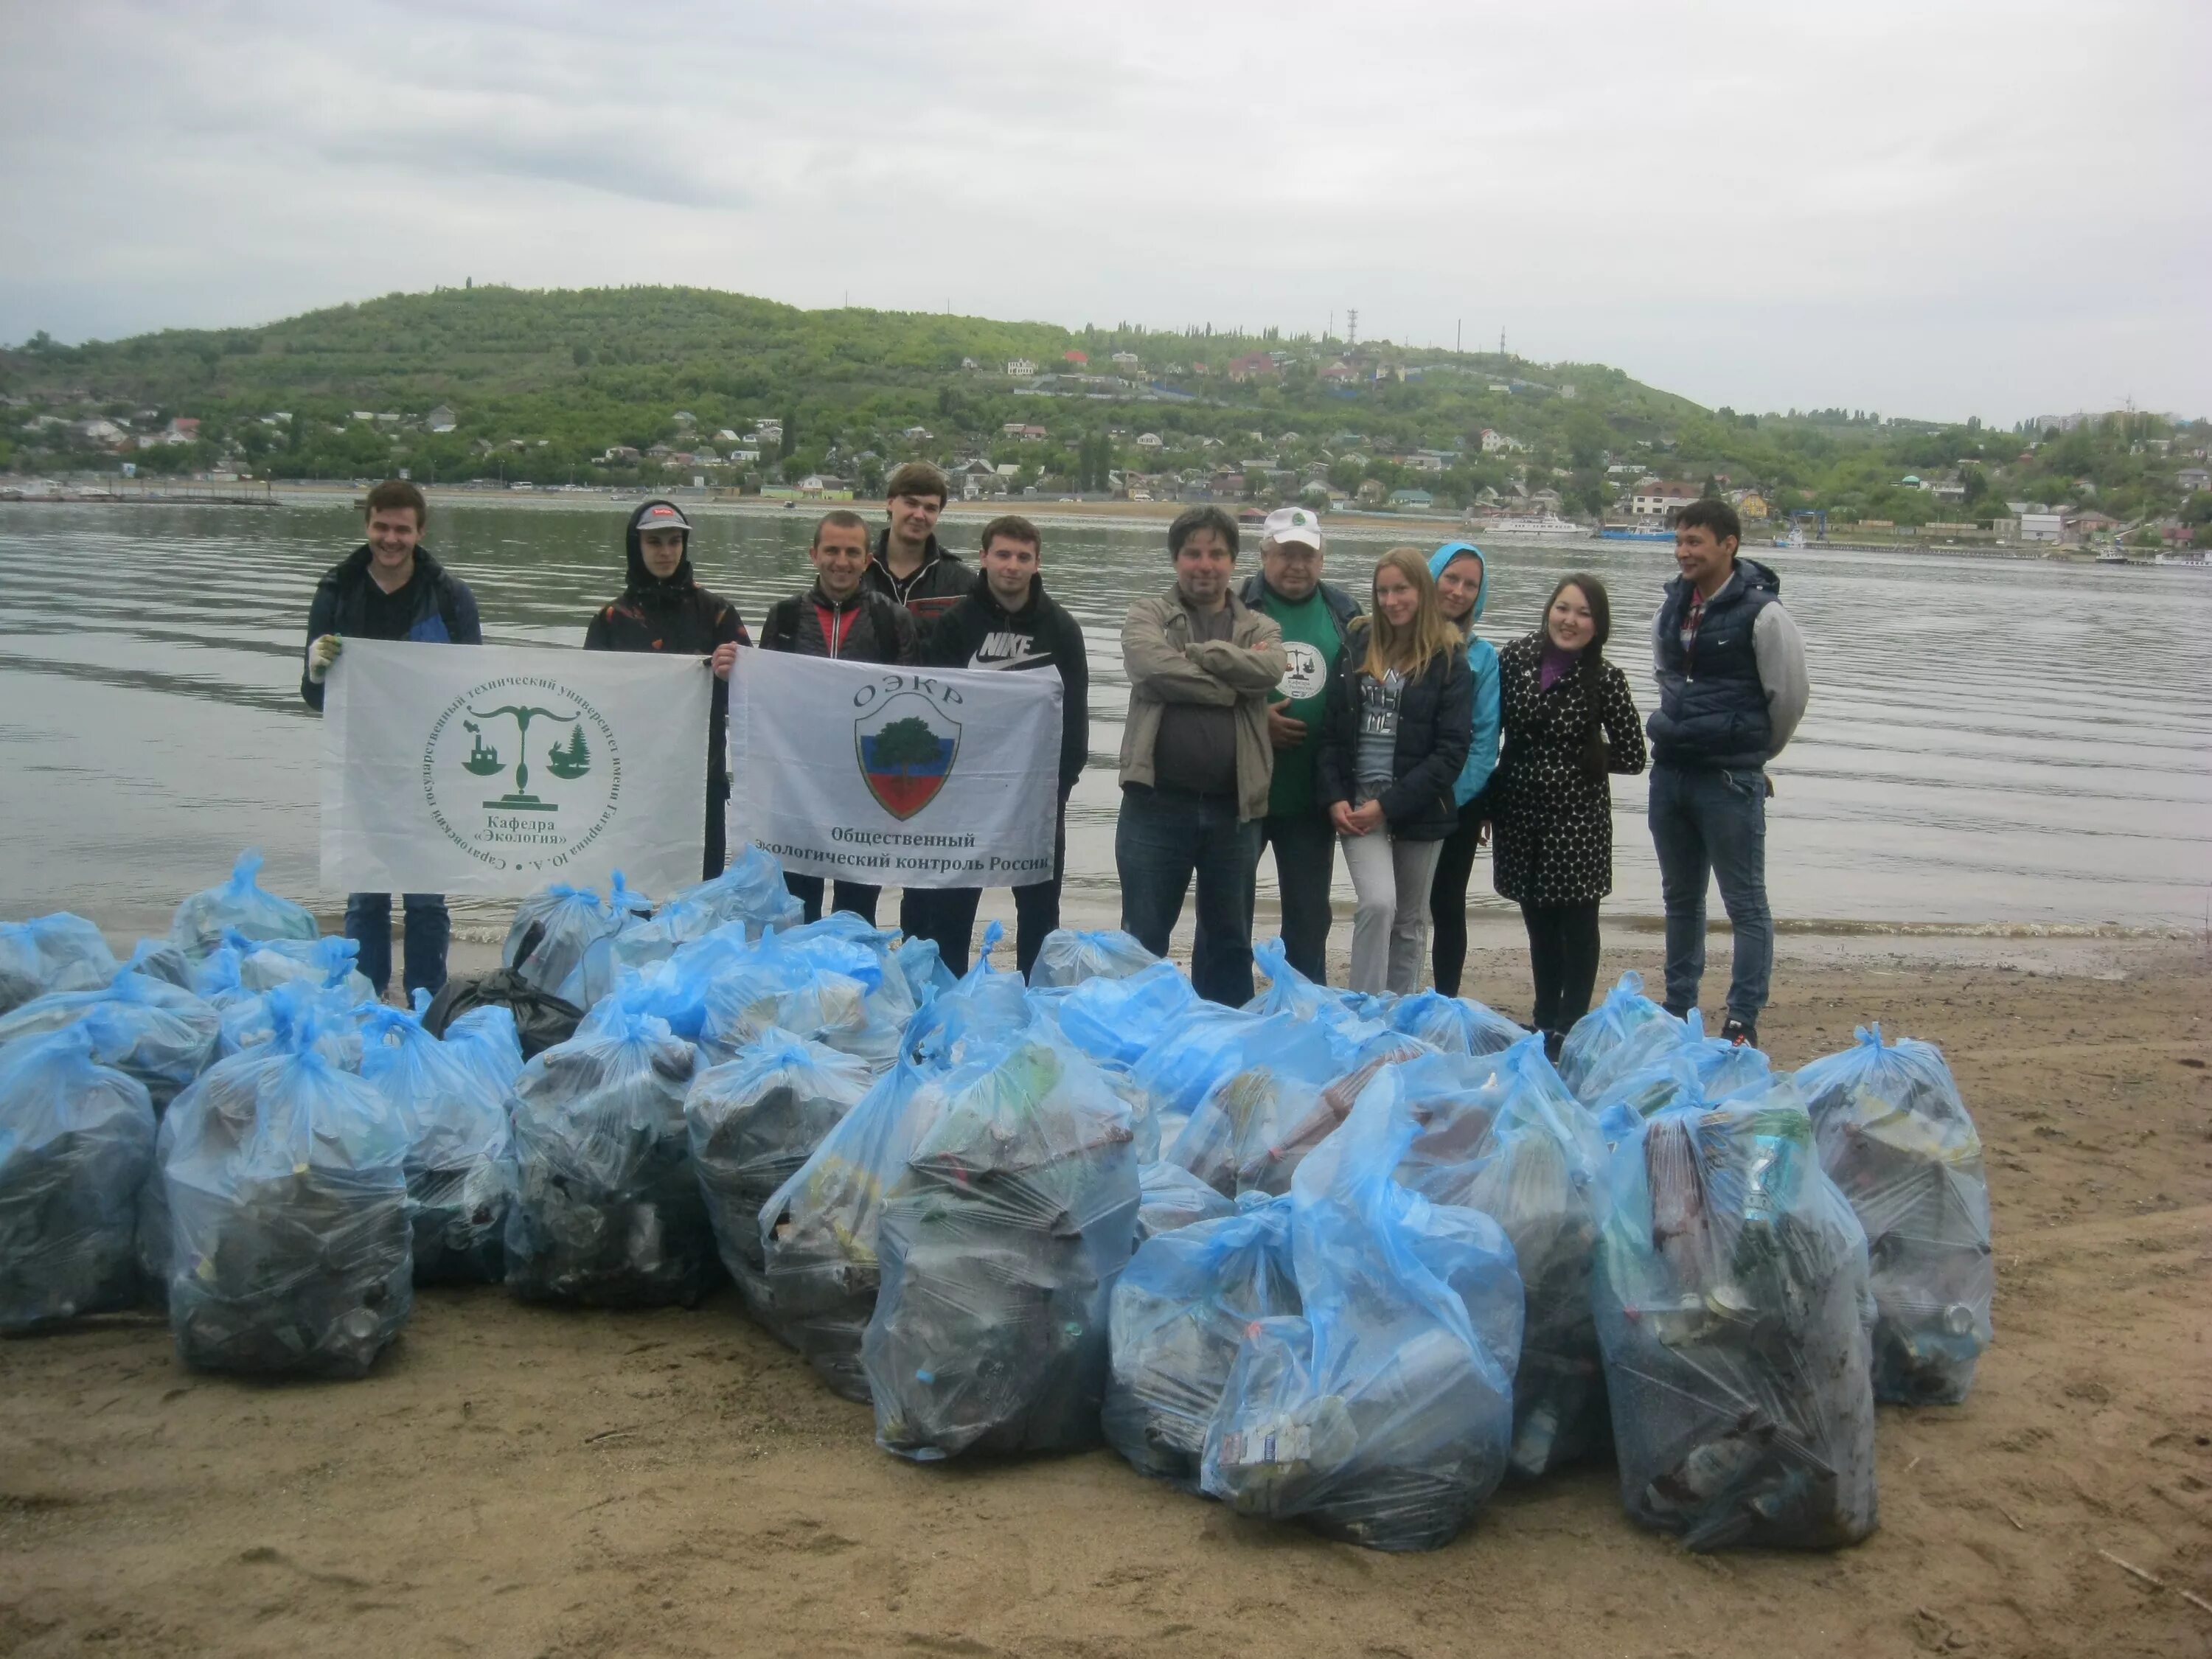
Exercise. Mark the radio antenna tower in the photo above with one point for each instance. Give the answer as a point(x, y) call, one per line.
point(1352, 325)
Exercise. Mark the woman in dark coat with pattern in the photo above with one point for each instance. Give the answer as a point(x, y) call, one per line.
point(1569, 723)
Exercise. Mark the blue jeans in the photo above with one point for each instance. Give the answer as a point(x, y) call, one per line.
point(1709, 823)
point(429, 929)
point(1164, 838)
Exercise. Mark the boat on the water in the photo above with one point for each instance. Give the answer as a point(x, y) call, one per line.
point(2112, 556)
point(1624, 533)
point(1545, 525)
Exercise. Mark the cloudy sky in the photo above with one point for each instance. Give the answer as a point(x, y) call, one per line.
point(1929, 207)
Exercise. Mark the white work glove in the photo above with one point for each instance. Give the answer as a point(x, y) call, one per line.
point(322, 657)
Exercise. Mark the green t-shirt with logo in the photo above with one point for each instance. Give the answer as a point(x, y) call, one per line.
point(1311, 643)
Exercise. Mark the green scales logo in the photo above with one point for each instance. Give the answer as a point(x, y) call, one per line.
point(556, 755)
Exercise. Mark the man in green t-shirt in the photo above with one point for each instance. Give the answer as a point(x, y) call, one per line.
point(1312, 615)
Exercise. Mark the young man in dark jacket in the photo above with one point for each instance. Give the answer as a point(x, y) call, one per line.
point(391, 588)
point(907, 564)
point(1008, 621)
point(1732, 687)
point(663, 608)
point(841, 617)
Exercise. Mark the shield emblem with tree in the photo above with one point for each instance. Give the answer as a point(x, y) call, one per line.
point(906, 746)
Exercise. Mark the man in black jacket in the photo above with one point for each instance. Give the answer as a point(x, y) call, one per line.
point(839, 617)
point(907, 564)
point(663, 608)
point(1006, 621)
point(391, 588)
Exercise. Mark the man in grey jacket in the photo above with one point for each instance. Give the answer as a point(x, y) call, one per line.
point(1196, 758)
point(1732, 687)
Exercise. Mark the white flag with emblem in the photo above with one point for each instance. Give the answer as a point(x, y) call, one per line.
point(493, 770)
point(899, 777)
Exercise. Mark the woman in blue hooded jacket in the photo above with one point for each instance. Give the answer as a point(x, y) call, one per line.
point(1462, 583)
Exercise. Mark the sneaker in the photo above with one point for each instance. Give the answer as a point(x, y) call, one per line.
point(1743, 1035)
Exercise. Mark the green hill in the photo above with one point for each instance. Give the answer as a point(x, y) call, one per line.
point(542, 384)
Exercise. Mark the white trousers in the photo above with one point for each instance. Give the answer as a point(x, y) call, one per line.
point(1390, 928)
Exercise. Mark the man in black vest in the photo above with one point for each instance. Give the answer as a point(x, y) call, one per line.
point(1732, 687)
point(391, 588)
point(1009, 623)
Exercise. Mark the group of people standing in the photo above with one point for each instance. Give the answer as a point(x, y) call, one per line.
point(1277, 714)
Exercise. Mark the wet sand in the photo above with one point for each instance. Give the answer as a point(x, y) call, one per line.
point(521, 1481)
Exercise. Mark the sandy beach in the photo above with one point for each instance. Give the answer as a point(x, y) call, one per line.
point(517, 1482)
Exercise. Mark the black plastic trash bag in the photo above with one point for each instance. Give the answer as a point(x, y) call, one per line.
point(542, 1020)
point(1171, 1196)
point(819, 1229)
point(1733, 1311)
point(754, 1122)
point(59, 953)
point(1501, 1134)
point(163, 1035)
point(77, 1143)
point(452, 1099)
point(1069, 957)
point(1896, 1138)
point(1000, 1240)
point(287, 1210)
point(606, 1209)
point(1384, 1413)
point(1622, 1034)
point(239, 904)
point(1180, 1312)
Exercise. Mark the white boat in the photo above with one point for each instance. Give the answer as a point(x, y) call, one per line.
point(2112, 556)
point(1546, 524)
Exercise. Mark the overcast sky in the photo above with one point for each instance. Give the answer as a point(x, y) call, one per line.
point(1932, 207)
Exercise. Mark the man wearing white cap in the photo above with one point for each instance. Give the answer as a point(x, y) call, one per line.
point(1313, 615)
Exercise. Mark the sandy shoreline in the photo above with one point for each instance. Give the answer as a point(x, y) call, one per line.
point(521, 1481)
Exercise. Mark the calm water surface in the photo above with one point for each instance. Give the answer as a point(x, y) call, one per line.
point(1990, 741)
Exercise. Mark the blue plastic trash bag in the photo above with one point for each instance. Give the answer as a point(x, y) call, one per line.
point(923, 966)
point(1622, 1034)
point(1896, 1138)
point(59, 953)
point(1455, 1025)
point(238, 903)
point(1269, 1096)
point(77, 1143)
point(750, 890)
point(1181, 1309)
point(605, 1208)
point(555, 925)
point(1382, 1414)
point(1207, 1044)
point(452, 1104)
point(249, 1019)
point(818, 1231)
point(486, 1037)
point(1171, 1196)
point(1120, 1019)
point(1067, 957)
point(999, 1244)
point(158, 958)
point(163, 1035)
point(1501, 1134)
point(288, 1213)
point(987, 1007)
point(1693, 1069)
point(754, 1122)
point(1733, 1309)
point(327, 963)
point(1289, 991)
point(779, 987)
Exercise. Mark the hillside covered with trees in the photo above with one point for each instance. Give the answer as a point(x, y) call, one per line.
point(647, 386)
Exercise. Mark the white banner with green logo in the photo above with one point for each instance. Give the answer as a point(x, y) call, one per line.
point(898, 777)
point(494, 769)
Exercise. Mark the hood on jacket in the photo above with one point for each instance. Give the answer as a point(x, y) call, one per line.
point(1450, 550)
point(982, 595)
point(1754, 575)
point(642, 583)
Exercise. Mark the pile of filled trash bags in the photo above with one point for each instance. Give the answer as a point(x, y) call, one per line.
point(1351, 1260)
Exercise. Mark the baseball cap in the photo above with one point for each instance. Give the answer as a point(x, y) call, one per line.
point(1293, 524)
point(660, 515)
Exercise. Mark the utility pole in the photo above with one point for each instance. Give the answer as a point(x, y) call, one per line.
point(1352, 325)
point(1501, 343)
point(1458, 323)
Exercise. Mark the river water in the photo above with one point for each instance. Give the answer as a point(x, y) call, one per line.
point(1991, 742)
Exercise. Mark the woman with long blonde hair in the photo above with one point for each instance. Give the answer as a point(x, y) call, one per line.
point(1394, 736)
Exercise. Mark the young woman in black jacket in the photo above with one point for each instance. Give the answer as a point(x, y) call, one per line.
point(1569, 723)
point(1394, 733)
point(663, 608)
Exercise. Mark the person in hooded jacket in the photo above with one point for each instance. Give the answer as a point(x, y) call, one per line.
point(1008, 623)
point(1463, 584)
point(663, 608)
point(391, 588)
point(1394, 738)
point(1732, 688)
